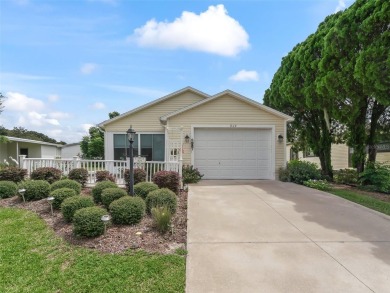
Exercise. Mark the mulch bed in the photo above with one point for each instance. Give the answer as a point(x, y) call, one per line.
point(376, 195)
point(117, 238)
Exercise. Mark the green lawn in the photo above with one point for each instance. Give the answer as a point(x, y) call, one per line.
point(34, 259)
point(364, 200)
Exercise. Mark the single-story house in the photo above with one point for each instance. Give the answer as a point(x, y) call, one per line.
point(31, 148)
point(225, 136)
point(341, 155)
point(70, 150)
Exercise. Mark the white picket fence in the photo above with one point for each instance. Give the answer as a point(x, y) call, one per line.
point(115, 167)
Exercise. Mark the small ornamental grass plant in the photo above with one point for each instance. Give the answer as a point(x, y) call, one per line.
point(60, 195)
point(191, 174)
point(127, 210)
point(14, 174)
point(161, 197)
point(167, 179)
point(80, 175)
point(318, 184)
point(161, 218)
point(49, 174)
point(71, 204)
point(87, 222)
point(8, 189)
point(142, 189)
point(98, 189)
point(35, 189)
point(66, 183)
point(111, 194)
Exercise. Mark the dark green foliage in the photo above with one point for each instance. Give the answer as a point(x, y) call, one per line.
point(60, 195)
point(346, 176)
point(92, 146)
point(103, 176)
point(139, 176)
point(284, 174)
point(87, 222)
point(67, 183)
point(111, 194)
point(13, 174)
point(162, 218)
point(301, 171)
point(49, 174)
point(80, 175)
point(71, 204)
point(98, 189)
point(8, 189)
point(142, 189)
point(35, 189)
point(191, 174)
point(127, 210)
point(28, 134)
point(377, 175)
point(159, 198)
point(167, 179)
point(318, 184)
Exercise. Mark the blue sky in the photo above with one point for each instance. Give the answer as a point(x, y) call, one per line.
point(64, 65)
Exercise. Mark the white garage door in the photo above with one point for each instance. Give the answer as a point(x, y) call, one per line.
point(233, 153)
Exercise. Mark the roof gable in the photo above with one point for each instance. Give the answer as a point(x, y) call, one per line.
point(154, 102)
point(232, 94)
point(18, 139)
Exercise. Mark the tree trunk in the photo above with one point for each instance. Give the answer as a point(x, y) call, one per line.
point(377, 111)
point(358, 137)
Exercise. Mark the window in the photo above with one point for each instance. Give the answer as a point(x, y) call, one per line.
point(383, 147)
point(24, 152)
point(151, 146)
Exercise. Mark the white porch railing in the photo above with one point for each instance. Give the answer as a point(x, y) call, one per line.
point(115, 167)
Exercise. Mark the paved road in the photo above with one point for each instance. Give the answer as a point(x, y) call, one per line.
point(269, 236)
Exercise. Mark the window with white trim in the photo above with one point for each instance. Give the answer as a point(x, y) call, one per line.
point(148, 145)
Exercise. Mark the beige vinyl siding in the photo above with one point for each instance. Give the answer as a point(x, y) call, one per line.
point(383, 157)
point(148, 119)
point(227, 110)
point(339, 156)
point(49, 152)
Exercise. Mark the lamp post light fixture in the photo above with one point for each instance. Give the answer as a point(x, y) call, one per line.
point(280, 138)
point(187, 138)
point(105, 219)
point(21, 192)
point(131, 136)
point(50, 200)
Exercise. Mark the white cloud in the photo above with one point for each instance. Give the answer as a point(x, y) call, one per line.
point(245, 75)
point(53, 98)
point(86, 127)
point(88, 68)
point(59, 115)
point(36, 119)
point(19, 102)
point(212, 31)
point(340, 5)
point(98, 105)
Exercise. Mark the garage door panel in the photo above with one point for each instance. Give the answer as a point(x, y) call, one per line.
point(233, 153)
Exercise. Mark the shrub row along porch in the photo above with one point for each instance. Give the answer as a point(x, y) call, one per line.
point(115, 167)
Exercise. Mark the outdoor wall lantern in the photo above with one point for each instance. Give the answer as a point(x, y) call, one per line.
point(21, 192)
point(280, 138)
point(105, 219)
point(131, 136)
point(50, 200)
point(187, 138)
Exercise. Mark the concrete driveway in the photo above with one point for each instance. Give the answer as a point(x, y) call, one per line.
point(269, 236)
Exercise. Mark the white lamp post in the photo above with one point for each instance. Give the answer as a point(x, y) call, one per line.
point(21, 192)
point(50, 200)
point(131, 136)
point(105, 219)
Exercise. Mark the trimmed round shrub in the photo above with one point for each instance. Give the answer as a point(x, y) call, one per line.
point(127, 210)
point(66, 183)
point(346, 176)
point(301, 171)
point(61, 194)
point(104, 175)
point(87, 222)
point(111, 194)
point(80, 175)
point(49, 174)
point(14, 174)
point(35, 189)
point(8, 189)
point(139, 176)
point(167, 179)
point(159, 198)
point(71, 204)
point(98, 189)
point(142, 189)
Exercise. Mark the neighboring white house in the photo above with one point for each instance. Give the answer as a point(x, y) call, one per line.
point(225, 136)
point(341, 155)
point(70, 150)
point(31, 148)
